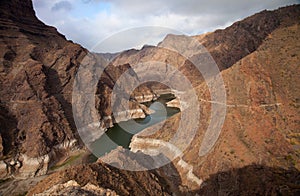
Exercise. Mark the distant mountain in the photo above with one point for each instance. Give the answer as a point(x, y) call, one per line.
point(108, 56)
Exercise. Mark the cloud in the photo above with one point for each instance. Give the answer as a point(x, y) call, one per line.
point(90, 21)
point(62, 5)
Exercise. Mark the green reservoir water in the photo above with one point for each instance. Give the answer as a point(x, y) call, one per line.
point(120, 134)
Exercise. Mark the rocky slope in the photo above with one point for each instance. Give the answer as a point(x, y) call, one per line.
point(37, 70)
point(105, 178)
point(262, 120)
point(32, 55)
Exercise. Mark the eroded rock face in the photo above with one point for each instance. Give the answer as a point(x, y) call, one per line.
point(37, 69)
point(33, 56)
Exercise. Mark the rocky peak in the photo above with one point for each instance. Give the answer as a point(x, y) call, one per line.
point(17, 10)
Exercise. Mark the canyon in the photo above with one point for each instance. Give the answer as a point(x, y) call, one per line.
point(257, 150)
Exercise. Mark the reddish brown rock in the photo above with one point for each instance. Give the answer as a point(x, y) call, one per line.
point(261, 129)
point(105, 176)
point(37, 70)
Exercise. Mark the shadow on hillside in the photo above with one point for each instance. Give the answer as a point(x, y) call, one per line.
point(167, 175)
point(8, 132)
point(55, 88)
point(252, 180)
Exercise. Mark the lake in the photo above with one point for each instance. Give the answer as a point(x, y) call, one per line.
point(121, 133)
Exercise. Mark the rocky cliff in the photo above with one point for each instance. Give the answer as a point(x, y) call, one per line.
point(37, 70)
point(36, 66)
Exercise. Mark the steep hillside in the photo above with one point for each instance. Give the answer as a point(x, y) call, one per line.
point(262, 120)
point(37, 70)
point(244, 37)
point(37, 64)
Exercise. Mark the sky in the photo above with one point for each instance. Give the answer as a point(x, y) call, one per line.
point(92, 22)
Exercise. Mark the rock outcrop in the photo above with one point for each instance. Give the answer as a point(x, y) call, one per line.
point(107, 178)
point(73, 188)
